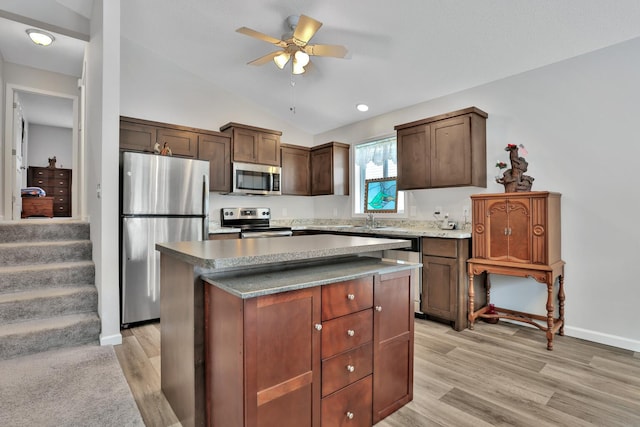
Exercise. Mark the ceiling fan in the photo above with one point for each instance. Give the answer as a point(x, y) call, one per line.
point(295, 44)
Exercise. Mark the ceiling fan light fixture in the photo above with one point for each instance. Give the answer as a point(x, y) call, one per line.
point(282, 59)
point(297, 68)
point(39, 37)
point(302, 58)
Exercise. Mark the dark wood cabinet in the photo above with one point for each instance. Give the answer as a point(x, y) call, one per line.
point(56, 183)
point(295, 170)
point(330, 169)
point(448, 150)
point(216, 148)
point(444, 280)
point(266, 369)
point(250, 144)
point(183, 143)
point(392, 343)
point(37, 206)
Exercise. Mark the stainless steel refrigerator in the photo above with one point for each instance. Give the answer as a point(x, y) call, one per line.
point(163, 199)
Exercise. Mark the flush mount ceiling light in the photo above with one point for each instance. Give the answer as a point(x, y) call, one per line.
point(39, 37)
point(362, 107)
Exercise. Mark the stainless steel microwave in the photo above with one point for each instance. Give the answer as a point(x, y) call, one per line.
point(249, 178)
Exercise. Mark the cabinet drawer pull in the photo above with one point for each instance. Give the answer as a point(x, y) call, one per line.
point(350, 415)
point(351, 297)
point(351, 368)
point(378, 308)
point(318, 326)
point(351, 332)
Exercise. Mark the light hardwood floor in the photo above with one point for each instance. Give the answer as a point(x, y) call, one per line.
point(496, 375)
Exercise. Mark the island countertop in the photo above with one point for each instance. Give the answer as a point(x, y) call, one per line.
point(230, 254)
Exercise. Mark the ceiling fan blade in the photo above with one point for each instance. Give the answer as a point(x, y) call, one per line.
point(305, 29)
point(261, 36)
point(264, 59)
point(335, 51)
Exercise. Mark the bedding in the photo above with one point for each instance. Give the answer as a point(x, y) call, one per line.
point(33, 192)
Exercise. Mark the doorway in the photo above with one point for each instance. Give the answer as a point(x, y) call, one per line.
point(41, 131)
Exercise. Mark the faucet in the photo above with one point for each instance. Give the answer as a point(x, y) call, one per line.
point(370, 221)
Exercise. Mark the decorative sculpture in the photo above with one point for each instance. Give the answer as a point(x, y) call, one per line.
point(52, 162)
point(514, 179)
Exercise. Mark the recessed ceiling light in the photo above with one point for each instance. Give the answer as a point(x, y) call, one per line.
point(40, 37)
point(362, 107)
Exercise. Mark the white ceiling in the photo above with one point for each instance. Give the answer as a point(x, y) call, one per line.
point(400, 53)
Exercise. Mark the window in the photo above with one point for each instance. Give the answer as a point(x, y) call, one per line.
point(373, 160)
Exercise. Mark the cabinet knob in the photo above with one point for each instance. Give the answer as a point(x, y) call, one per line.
point(351, 297)
point(318, 326)
point(378, 308)
point(351, 332)
point(351, 368)
point(350, 415)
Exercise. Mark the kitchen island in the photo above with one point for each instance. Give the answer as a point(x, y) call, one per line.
point(285, 331)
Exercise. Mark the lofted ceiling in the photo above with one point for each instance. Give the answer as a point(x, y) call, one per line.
point(400, 53)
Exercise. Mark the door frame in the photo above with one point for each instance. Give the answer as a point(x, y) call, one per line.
point(9, 176)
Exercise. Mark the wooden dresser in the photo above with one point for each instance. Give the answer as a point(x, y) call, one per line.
point(56, 183)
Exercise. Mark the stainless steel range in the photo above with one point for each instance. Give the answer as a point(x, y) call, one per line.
point(253, 222)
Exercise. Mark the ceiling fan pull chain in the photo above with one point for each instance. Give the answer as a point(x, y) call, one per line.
point(293, 95)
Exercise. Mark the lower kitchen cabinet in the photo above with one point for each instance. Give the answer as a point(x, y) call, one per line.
point(263, 359)
point(333, 355)
point(392, 343)
point(444, 280)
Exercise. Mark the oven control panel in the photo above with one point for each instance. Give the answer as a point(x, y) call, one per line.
point(245, 213)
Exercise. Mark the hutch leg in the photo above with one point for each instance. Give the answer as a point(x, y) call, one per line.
point(471, 296)
point(550, 312)
point(487, 285)
point(561, 302)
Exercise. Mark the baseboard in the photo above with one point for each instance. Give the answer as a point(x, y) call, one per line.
point(601, 338)
point(115, 339)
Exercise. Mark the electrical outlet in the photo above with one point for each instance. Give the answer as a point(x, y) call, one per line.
point(465, 211)
point(284, 212)
point(335, 212)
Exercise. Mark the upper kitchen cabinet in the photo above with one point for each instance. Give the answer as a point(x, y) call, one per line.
point(330, 169)
point(251, 144)
point(141, 135)
point(295, 170)
point(216, 148)
point(448, 150)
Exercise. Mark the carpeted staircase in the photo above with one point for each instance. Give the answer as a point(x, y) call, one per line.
point(48, 298)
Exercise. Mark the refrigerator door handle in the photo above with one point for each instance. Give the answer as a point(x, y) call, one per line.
point(205, 206)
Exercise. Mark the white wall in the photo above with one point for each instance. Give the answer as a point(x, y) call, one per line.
point(578, 120)
point(49, 141)
point(154, 89)
point(101, 160)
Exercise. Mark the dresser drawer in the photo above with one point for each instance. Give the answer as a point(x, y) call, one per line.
point(58, 191)
point(345, 368)
point(42, 173)
point(347, 297)
point(63, 174)
point(346, 332)
point(351, 406)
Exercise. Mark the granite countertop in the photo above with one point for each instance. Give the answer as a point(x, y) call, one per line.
point(250, 284)
point(384, 230)
point(235, 253)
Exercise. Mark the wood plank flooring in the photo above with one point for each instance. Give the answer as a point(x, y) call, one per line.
point(496, 375)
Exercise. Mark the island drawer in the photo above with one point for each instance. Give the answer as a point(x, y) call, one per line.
point(339, 299)
point(345, 368)
point(346, 332)
point(350, 406)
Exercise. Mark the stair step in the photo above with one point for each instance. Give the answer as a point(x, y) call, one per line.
point(19, 339)
point(23, 278)
point(47, 302)
point(28, 253)
point(29, 231)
